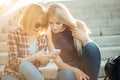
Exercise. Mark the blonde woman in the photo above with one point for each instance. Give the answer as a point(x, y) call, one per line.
point(26, 46)
point(80, 57)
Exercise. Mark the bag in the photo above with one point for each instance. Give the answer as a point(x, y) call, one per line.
point(112, 69)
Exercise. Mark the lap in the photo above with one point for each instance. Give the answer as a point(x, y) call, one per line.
point(9, 77)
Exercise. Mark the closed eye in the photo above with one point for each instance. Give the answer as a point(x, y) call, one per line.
point(58, 23)
point(37, 25)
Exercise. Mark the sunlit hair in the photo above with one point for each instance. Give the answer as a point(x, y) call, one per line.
point(61, 13)
point(28, 18)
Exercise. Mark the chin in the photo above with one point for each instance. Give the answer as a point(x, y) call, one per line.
point(55, 31)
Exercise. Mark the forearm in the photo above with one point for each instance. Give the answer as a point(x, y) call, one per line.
point(86, 40)
point(32, 58)
point(29, 58)
point(63, 66)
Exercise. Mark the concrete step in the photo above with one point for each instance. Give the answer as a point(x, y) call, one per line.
point(105, 14)
point(102, 71)
point(107, 52)
point(101, 78)
point(1, 68)
point(102, 31)
point(110, 40)
point(109, 7)
point(3, 58)
point(102, 22)
point(83, 5)
point(3, 37)
point(3, 47)
point(101, 16)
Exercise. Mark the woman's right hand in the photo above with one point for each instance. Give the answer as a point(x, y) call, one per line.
point(80, 75)
point(42, 57)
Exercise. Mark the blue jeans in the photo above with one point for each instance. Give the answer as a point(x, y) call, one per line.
point(29, 72)
point(8, 77)
point(91, 59)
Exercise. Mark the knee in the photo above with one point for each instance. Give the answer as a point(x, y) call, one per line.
point(30, 72)
point(8, 77)
point(24, 65)
point(91, 48)
point(66, 75)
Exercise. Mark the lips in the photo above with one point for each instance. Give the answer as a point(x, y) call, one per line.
point(55, 30)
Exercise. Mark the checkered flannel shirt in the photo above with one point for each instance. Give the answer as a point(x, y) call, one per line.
point(18, 48)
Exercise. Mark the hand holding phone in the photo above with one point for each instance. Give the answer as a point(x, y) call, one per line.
point(55, 51)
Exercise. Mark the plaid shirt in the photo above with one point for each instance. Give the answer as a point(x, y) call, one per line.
point(19, 48)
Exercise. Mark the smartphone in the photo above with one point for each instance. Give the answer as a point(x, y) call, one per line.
point(55, 51)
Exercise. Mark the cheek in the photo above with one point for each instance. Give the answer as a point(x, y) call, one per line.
point(60, 27)
point(57, 28)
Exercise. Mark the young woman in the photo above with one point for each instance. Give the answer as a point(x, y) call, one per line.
point(26, 46)
point(80, 57)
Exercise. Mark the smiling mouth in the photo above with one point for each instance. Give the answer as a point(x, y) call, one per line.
point(55, 30)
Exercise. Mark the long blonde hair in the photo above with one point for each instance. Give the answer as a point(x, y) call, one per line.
point(61, 13)
point(29, 16)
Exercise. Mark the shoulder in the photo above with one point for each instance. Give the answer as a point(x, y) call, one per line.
point(14, 31)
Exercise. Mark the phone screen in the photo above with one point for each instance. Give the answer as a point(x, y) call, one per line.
point(56, 51)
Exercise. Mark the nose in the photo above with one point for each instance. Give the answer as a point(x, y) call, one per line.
point(54, 26)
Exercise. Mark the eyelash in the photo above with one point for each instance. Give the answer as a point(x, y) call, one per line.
point(58, 23)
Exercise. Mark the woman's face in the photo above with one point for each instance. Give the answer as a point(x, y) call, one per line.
point(55, 25)
point(40, 25)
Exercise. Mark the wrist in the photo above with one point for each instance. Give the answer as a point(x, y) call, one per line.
point(31, 58)
point(76, 70)
point(85, 40)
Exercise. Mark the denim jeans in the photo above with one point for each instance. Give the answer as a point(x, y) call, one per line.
point(8, 77)
point(29, 72)
point(91, 62)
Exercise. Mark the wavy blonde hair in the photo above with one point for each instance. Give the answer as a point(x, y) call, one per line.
point(29, 16)
point(61, 13)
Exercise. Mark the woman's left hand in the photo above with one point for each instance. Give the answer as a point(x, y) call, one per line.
point(43, 57)
point(80, 75)
point(80, 34)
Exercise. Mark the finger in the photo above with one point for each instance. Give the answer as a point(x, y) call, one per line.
point(87, 76)
point(84, 78)
point(81, 78)
point(53, 57)
point(48, 56)
point(77, 77)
